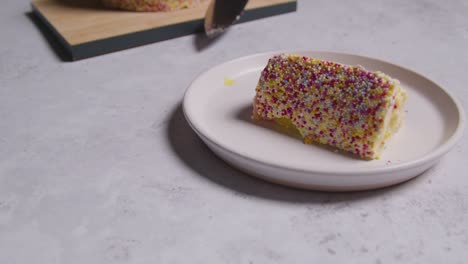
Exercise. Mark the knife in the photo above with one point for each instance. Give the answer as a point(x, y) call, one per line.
point(221, 14)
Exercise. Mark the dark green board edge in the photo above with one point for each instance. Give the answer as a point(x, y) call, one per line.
point(108, 45)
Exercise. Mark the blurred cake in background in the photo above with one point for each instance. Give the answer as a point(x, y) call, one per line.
point(151, 5)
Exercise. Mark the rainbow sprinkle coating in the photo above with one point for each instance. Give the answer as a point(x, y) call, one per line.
point(150, 5)
point(343, 106)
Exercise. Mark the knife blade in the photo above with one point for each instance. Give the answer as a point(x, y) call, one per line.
point(221, 14)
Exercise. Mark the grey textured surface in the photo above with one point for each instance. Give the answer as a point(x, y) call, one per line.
point(97, 164)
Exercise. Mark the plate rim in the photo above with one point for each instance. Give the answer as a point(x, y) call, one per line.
point(431, 156)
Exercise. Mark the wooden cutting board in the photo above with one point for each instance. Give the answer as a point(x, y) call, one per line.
point(87, 29)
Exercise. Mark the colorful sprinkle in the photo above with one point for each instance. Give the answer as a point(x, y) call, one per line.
point(229, 81)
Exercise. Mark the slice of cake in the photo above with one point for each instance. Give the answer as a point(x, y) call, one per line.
point(151, 5)
point(343, 106)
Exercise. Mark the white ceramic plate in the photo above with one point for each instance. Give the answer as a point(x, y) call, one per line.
point(220, 115)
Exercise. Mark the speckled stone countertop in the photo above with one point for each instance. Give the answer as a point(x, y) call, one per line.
point(97, 164)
